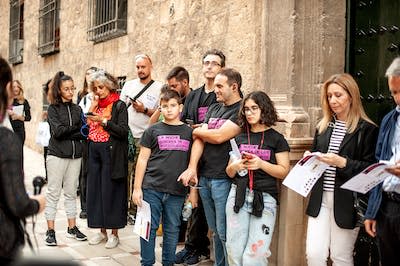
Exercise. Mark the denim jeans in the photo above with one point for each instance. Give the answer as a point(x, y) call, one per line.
point(169, 207)
point(248, 237)
point(214, 194)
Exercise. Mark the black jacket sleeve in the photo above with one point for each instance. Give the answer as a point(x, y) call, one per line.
point(27, 111)
point(118, 125)
point(60, 130)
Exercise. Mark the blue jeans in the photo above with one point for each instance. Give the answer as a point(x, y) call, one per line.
point(214, 194)
point(248, 237)
point(169, 207)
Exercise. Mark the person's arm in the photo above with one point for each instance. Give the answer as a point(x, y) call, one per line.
point(120, 128)
point(278, 170)
point(217, 136)
point(190, 174)
point(13, 191)
point(27, 111)
point(143, 158)
point(234, 166)
point(154, 117)
point(58, 129)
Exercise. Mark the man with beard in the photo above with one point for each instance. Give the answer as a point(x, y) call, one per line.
point(140, 110)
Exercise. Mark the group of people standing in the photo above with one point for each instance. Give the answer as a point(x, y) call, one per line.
point(186, 157)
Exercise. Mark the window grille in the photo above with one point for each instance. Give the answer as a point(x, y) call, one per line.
point(49, 27)
point(121, 83)
point(16, 33)
point(107, 19)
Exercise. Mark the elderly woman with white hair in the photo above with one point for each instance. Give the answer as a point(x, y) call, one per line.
point(107, 162)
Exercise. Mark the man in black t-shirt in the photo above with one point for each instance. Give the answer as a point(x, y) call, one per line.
point(194, 111)
point(211, 151)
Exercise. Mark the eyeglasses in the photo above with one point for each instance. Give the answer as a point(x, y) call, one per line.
point(253, 109)
point(212, 63)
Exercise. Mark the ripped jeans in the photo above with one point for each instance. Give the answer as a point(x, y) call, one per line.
point(248, 237)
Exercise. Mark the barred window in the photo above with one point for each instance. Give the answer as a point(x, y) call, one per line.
point(107, 19)
point(49, 27)
point(16, 39)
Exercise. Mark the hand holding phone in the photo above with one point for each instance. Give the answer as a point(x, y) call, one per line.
point(89, 113)
point(247, 156)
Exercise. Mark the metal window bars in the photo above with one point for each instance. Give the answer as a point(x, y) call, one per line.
point(49, 27)
point(16, 32)
point(107, 19)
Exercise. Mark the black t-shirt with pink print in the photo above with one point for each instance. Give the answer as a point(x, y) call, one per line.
point(215, 157)
point(170, 152)
point(272, 143)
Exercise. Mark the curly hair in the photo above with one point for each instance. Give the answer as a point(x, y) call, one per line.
point(268, 114)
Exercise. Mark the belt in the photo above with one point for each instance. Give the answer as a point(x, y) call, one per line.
point(393, 196)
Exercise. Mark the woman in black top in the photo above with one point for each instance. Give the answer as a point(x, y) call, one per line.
point(17, 120)
point(251, 208)
point(15, 204)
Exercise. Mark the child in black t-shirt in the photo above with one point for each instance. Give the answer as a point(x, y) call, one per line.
point(251, 204)
point(164, 155)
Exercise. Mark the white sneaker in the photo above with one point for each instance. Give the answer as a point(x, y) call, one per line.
point(97, 239)
point(112, 241)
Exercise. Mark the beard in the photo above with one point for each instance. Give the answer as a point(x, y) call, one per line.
point(143, 76)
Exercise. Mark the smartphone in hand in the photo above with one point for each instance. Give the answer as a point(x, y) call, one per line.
point(89, 113)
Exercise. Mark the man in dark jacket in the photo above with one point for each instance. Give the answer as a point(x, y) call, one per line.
point(383, 212)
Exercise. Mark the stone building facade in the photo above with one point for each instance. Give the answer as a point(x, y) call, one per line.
point(286, 48)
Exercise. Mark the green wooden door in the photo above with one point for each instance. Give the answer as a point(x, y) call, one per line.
point(373, 41)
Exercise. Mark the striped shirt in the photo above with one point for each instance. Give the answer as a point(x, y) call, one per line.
point(339, 130)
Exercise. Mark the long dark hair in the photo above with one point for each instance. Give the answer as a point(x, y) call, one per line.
point(268, 115)
point(82, 92)
point(58, 79)
point(5, 79)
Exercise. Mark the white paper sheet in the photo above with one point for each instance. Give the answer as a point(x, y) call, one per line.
point(143, 221)
point(368, 178)
point(18, 109)
point(305, 174)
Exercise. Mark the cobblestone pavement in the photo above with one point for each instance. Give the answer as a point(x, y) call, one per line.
point(127, 252)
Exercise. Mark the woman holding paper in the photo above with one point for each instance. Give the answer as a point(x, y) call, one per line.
point(21, 111)
point(251, 205)
point(346, 138)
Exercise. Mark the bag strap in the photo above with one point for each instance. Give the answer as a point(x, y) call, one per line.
point(140, 93)
point(143, 90)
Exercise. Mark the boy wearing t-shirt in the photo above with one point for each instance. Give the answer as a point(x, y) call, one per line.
point(164, 155)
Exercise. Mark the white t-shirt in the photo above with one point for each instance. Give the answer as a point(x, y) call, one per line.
point(138, 122)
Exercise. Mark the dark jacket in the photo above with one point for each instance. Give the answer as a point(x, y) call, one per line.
point(65, 120)
point(118, 128)
point(383, 152)
point(15, 204)
point(358, 148)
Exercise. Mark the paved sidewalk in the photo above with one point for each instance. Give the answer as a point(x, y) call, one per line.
point(127, 252)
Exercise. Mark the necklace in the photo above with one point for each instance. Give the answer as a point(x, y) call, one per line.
point(251, 172)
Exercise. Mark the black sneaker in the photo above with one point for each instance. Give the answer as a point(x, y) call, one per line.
point(75, 233)
point(51, 238)
point(181, 255)
point(194, 258)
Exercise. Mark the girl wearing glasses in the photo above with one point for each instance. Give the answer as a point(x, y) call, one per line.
point(251, 205)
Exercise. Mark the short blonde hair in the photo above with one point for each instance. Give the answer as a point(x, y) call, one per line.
point(356, 112)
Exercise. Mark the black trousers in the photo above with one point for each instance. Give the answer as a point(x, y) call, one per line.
point(83, 175)
point(388, 232)
point(197, 238)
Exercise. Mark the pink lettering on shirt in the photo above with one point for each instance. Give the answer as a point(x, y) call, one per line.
point(215, 123)
point(253, 149)
point(201, 113)
point(172, 143)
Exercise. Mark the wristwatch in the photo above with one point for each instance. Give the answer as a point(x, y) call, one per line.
point(104, 122)
point(145, 110)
